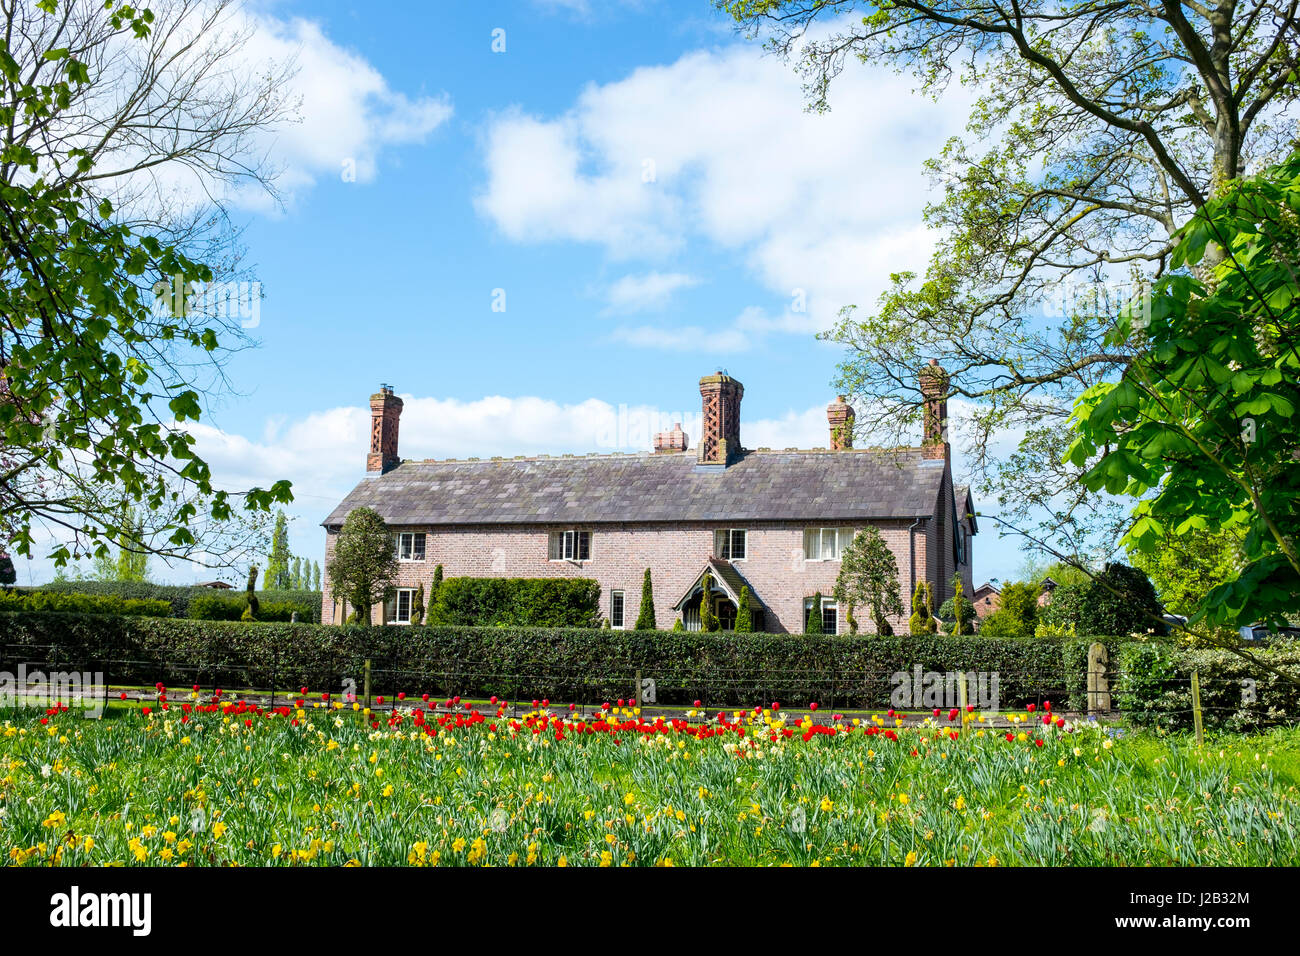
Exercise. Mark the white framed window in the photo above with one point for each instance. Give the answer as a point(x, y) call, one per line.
point(569, 546)
point(730, 544)
point(616, 609)
point(398, 609)
point(830, 615)
point(825, 544)
point(410, 546)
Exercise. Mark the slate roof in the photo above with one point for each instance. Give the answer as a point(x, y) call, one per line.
point(761, 486)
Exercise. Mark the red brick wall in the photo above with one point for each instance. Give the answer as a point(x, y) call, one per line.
point(675, 554)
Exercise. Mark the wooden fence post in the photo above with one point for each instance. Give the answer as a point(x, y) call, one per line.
point(1196, 709)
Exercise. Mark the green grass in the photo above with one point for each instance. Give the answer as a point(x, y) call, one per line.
point(332, 790)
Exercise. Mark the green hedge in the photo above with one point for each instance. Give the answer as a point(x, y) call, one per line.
point(212, 607)
point(44, 601)
point(179, 596)
point(722, 669)
point(517, 602)
point(1154, 687)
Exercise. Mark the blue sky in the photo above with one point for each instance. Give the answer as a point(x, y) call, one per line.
point(639, 183)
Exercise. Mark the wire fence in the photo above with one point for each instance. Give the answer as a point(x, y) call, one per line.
point(282, 677)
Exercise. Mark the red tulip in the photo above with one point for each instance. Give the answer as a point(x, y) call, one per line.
point(813, 705)
point(1030, 708)
point(696, 704)
point(123, 695)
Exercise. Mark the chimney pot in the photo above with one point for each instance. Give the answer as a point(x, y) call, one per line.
point(671, 441)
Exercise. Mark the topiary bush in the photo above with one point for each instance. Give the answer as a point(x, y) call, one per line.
point(948, 614)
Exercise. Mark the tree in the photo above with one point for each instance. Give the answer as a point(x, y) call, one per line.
point(814, 623)
point(107, 351)
point(744, 616)
point(1200, 432)
point(645, 618)
point(252, 608)
point(922, 620)
point(436, 586)
point(1184, 568)
point(1102, 127)
point(1017, 613)
point(959, 610)
point(8, 574)
point(278, 576)
point(364, 568)
point(315, 576)
point(132, 553)
point(417, 606)
point(708, 620)
point(869, 578)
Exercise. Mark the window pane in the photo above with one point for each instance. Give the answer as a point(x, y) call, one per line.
point(738, 545)
point(403, 607)
point(584, 545)
point(846, 538)
point(812, 544)
point(417, 550)
point(721, 546)
point(554, 546)
point(570, 544)
point(616, 609)
point(830, 619)
point(829, 550)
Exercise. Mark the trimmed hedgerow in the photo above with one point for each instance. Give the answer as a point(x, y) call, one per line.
point(179, 596)
point(517, 602)
point(45, 601)
point(1154, 688)
point(589, 664)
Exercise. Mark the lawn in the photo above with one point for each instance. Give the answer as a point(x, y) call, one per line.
point(213, 783)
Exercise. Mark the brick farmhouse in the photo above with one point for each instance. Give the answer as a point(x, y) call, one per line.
point(774, 521)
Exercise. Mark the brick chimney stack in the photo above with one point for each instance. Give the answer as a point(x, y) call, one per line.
point(385, 410)
point(675, 440)
point(720, 428)
point(934, 393)
point(840, 415)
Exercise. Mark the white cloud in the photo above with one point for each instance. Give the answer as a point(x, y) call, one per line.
point(716, 148)
point(349, 112)
point(340, 113)
point(651, 290)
